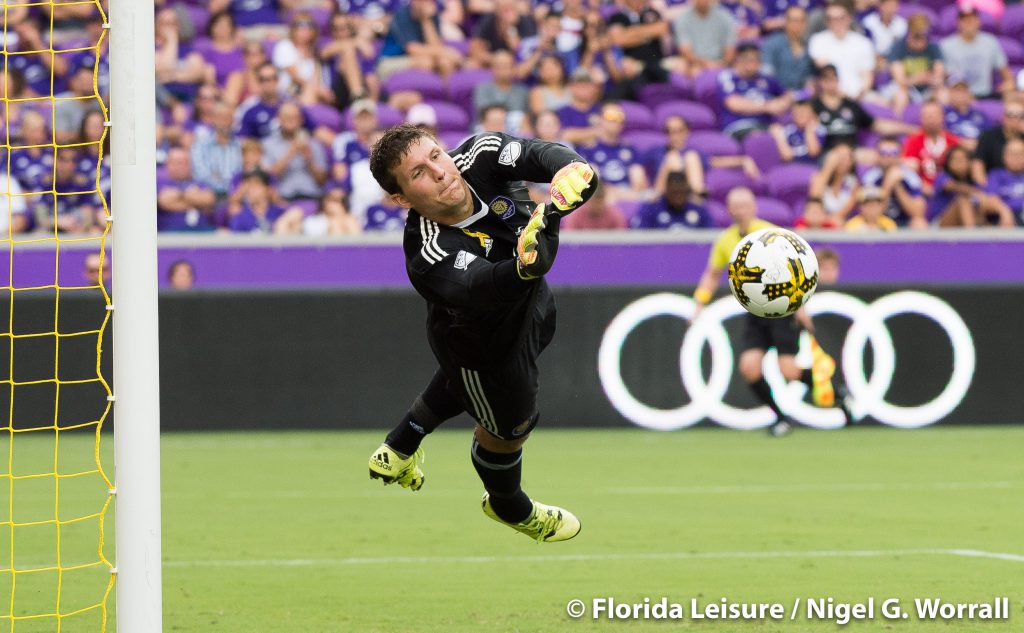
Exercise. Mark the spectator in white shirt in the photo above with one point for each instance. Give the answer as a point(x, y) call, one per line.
point(885, 26)
point(851, 53)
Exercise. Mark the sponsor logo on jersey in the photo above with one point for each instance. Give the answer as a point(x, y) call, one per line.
point(502, 207)
point(463, 260)
point(510, 154)
point(485, 240)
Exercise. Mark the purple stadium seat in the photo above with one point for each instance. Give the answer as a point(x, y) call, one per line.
point(324, 115)
point(462, 82)
point(697, 115)
point(644, 140)
point(200, 17)
point(653, 95)
point(719, 214)
point(882, 78)
point(906, 10)
point(775, 211)
point(427, 84)
point(761, 147)
point(934, 5)
point(949, 16)
point(721, 181)
point(912, 114)
point(322, 17)
point(878, 111)
point(638, 116)
point(705, 86)
point(714, 144)
point(992, 108)
point(460, 45)
point(308, 206)
point(1013, 49)
point(384, 218)
point(790, 182)
point(682, 82)
point(453, 138)
point(450, 117)
point(1012, 24)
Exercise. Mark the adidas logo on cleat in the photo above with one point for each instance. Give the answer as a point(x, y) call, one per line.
point(381, 460)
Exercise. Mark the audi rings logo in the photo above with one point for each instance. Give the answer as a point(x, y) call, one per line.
point(868, 392)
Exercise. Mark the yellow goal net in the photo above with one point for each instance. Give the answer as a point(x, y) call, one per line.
point(56, 497)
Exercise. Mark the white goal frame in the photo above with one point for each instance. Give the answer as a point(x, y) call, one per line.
point(136, 347)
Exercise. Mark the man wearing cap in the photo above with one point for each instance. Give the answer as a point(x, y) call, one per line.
point(900, 185)
point(962, 119)
point(618, 164)
point(748, 99)
point(850, 52)
point(871, 216)
point(351, 147)
point(976, 55)
point(915, 65)
point(579, 115)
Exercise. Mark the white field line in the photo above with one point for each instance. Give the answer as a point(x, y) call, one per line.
point(826, 487)
point(380, 491)
point(639, 556)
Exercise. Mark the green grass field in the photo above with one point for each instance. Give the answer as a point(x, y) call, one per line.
point(284, 532)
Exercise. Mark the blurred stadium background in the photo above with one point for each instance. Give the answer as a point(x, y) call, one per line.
point(290, 338)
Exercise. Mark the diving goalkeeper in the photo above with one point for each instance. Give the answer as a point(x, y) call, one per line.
point(477, 249)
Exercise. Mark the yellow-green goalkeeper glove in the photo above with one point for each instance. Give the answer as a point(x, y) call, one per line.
point(568, 186)
point(537, 245)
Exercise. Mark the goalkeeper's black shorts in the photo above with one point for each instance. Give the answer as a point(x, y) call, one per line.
point(503, 399)
point(782, 334)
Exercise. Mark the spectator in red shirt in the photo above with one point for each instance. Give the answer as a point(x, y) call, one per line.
point(925, 150)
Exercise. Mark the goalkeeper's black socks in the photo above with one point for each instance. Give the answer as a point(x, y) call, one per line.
point(764, 392)
point(806, 377)
point(502, 474)
point(435, 405)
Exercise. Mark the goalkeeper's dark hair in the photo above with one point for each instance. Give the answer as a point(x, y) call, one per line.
point(387, 153)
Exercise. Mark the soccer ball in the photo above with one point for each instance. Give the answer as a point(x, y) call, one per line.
point(772, 272)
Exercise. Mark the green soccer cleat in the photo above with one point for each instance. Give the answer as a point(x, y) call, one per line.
point(392, 467)
point(546, 524)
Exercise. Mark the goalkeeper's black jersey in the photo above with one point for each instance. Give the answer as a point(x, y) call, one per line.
point(478, 307)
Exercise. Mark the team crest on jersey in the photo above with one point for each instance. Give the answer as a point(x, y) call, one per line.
point(502, 207)
point(485, 240)
point(463, 260)
point(522, 428)
point(510, 154)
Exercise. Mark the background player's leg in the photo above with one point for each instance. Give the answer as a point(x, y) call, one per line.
point(430, 409)
point(750, 369)
point(499, 464)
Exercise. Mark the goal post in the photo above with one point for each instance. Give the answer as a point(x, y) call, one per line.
point(136, 350)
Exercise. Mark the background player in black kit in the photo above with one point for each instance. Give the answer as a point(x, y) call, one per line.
point(477, 249)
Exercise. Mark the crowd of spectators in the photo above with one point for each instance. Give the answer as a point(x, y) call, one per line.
point(864, 115)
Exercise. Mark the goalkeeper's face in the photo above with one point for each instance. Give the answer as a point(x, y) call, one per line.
point(431, 183)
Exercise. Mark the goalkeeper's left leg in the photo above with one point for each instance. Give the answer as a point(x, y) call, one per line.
point(398, 459)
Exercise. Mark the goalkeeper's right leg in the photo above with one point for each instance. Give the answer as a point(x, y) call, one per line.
point(398, 459)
